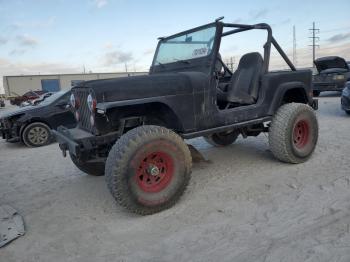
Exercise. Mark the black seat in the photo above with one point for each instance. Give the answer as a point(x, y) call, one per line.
point(244, 84)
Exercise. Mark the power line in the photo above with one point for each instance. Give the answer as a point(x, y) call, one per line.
point(315, 39)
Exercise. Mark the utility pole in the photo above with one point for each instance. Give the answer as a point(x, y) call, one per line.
point(294, 47)
point(315, 39)
point(230, 63)
point(232, 60)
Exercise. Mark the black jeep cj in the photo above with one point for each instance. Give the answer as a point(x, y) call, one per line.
point(132, 129)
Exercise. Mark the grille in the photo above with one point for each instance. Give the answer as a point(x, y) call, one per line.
point(4, 123)
point(83, 110)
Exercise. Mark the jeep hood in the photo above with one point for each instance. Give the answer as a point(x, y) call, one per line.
point(137, 87)
point(331, 62)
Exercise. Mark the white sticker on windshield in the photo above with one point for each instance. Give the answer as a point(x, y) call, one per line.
point(200, 52)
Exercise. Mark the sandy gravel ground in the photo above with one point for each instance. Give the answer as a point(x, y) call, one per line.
point(244, 206)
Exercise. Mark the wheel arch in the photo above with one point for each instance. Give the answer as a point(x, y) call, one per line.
point(151, 112)
point(31, 121)
point(288, 93)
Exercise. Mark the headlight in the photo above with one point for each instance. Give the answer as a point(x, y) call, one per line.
point(338, 77)
point(92, 103)
point(346, 92)
point(74, 101)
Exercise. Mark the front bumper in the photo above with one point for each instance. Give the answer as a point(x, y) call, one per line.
point(10, 133)
point(81, 143)
point(345, 103)
point(328, 86)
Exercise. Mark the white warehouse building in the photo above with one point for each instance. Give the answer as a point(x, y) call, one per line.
point(20, 84)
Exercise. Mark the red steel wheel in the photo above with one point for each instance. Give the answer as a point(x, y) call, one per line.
point(155, 172)
point(301, 133)
point(148, 169)
point(293, 133)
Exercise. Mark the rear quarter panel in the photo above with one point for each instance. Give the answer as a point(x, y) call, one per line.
point(277, 84)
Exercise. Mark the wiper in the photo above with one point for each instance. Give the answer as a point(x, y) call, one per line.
point(182, 61)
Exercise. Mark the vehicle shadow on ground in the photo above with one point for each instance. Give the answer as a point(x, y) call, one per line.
point(243, 150)
point(13, 146)
point(20, 145)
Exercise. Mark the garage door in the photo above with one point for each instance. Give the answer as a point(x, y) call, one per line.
point(50, 85)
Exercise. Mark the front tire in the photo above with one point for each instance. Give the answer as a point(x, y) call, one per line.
point(222, 139)
point(36, 134)
point(293, 133)
point(148, 169)
point(92, 169)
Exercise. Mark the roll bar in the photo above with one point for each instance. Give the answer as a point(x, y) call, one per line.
point(267, 45)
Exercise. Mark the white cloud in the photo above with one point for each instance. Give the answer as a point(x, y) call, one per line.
point(108, 45)
point(237, 20)
point(149, 51)
point(101, 3)
point(339, 37)
point(258, 14)
point(27, 40)
point(3, 40)
point(117, 57)
point(17, 51)
point(38, 24)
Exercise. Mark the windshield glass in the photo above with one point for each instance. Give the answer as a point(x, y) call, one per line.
point(53, 97)
point(185, 47)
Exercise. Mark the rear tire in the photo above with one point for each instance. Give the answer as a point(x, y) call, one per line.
point(293, 133)
point(92, 169)
point(222, 139)
point(347, 111)
point(148, 169)
point(36, 134)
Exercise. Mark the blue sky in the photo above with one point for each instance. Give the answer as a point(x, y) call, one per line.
point(61, 36)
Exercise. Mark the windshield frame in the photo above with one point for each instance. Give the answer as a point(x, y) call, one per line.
point(206, 64)
point(162, 39)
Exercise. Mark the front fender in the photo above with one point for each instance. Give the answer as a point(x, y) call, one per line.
point(176, 111)
point(104, 106)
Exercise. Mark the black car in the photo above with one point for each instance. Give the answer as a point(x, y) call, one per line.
point(345, 98)
point(333, 72)
point(131, 129)
point(31, 125)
